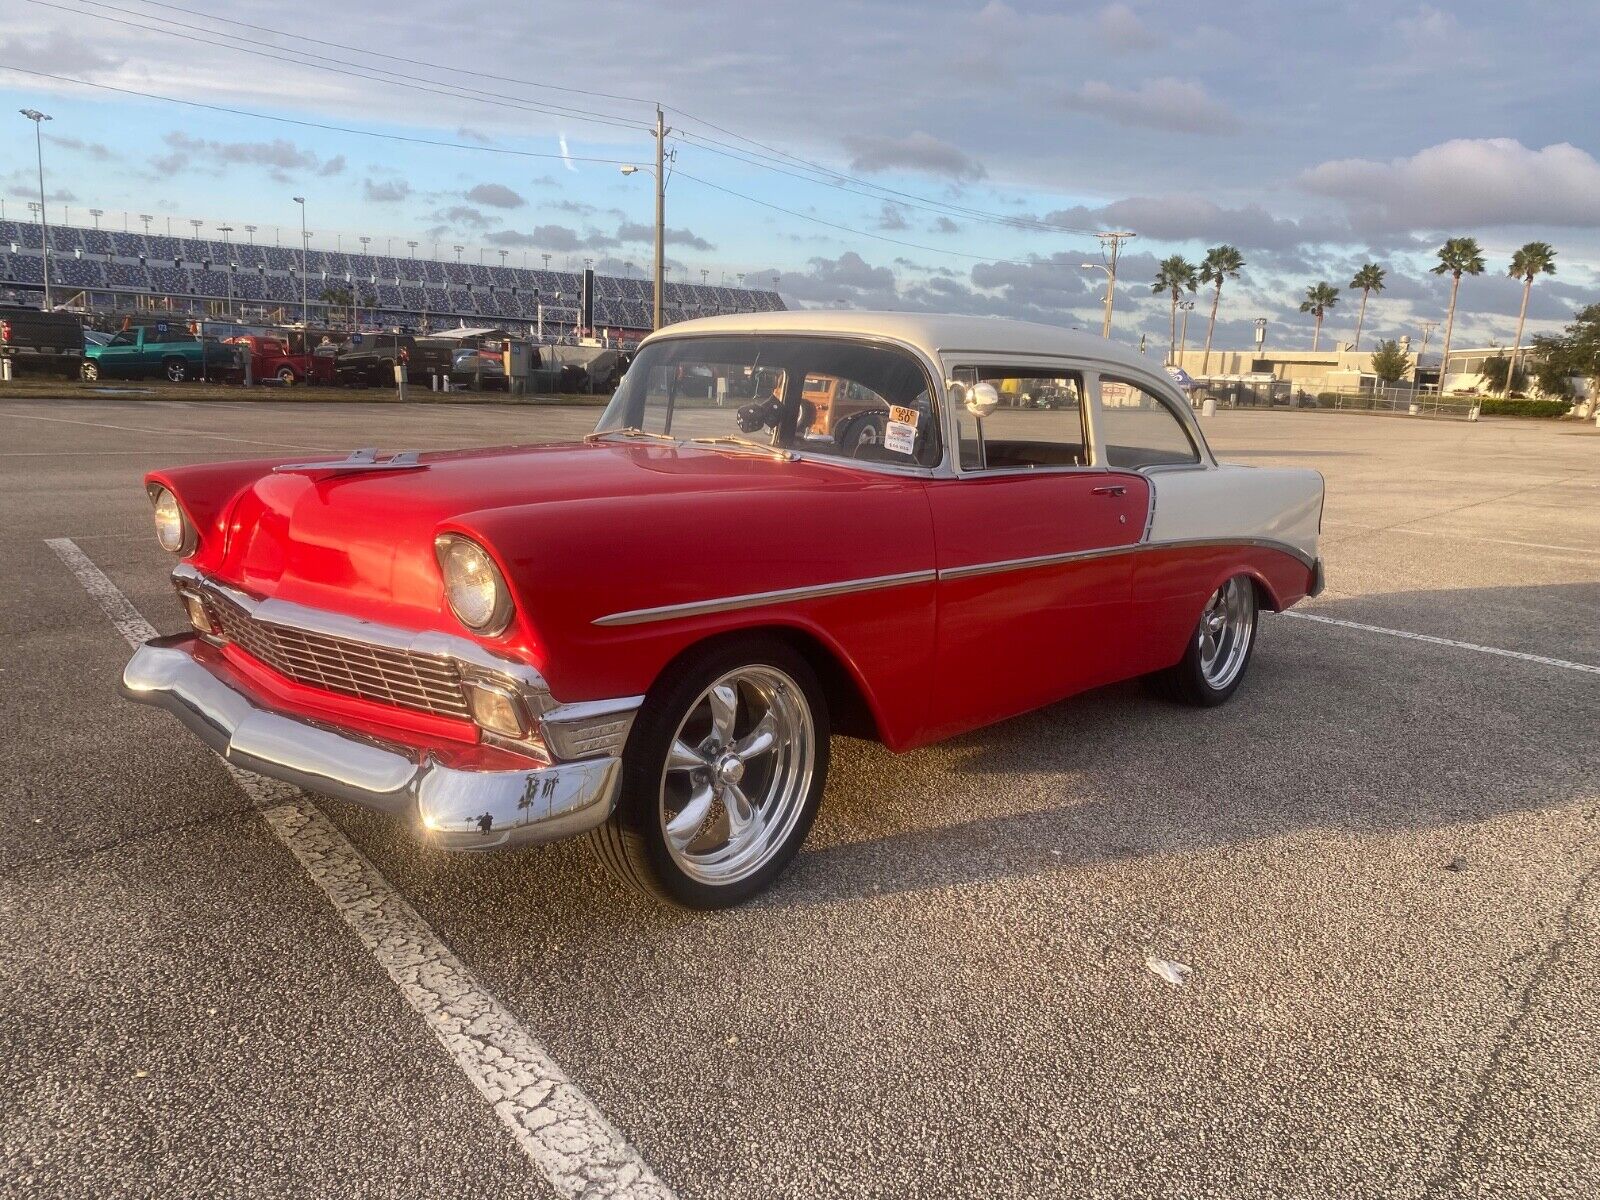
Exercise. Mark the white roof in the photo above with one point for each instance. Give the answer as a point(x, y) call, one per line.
point(930, 332)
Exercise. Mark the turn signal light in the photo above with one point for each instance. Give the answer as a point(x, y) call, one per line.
point(198, 616)
point(495, 708)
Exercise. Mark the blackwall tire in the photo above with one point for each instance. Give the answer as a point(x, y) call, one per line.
point(1219, 651)
point(721, 778)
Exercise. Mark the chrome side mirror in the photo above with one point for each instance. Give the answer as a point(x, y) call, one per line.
point(981, 399)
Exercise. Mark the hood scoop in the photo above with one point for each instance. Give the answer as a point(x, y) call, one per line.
point(358, 462)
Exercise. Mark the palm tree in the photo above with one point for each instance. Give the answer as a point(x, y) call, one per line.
point(1175, 274)
point(1320, 297)
point(1536, 258)
point(1367, 280)
point(1457, 257)
point(1221, 262)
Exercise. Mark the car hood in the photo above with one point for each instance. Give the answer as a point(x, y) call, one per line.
point(365, 540)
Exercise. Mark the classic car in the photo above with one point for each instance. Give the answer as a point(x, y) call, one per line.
point(272, 358)
point(649, 636)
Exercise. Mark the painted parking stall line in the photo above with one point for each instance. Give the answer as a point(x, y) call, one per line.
point(1429, 638)
point(577, 1150)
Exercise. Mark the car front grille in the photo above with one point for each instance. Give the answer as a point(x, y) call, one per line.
point(419, 682)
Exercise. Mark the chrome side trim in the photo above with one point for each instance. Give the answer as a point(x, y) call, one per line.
point(696, 608)
point(591, 727)
point(669, 612)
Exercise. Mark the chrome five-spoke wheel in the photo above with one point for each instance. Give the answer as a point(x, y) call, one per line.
point(737, 774)
point(1218, 651)
point(1225, 632)
point(721, 776)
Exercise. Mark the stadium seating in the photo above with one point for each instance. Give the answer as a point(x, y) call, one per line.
point(111, 266)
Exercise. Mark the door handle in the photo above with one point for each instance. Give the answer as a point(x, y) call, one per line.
point(1112, 489)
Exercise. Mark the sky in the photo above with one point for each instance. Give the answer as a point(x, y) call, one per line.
point(944, 156)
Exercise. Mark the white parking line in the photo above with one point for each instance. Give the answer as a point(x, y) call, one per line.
point(557, 1126)
point(1473, 537)
point(168, 432)
point(1451, 642)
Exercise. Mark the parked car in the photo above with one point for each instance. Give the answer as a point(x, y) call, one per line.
point(166, 349)
point(48, 343)
point(368, 359)
point(271, 360)
point(647, 637)
point(478, 371)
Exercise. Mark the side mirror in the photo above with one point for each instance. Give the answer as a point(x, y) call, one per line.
point(980, 399)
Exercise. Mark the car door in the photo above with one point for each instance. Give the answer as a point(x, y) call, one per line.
point(1030, 534)
point(119, 357)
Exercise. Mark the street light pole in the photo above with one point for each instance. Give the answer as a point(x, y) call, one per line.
point(305, 305)
point(227, 252)
point(1183, 338)
point(1114, 238)
point(38, 118)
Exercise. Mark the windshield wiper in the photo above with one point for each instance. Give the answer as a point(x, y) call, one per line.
point(632, 431)
point(762, 448)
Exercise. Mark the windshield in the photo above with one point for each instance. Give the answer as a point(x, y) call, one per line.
point(817, 395)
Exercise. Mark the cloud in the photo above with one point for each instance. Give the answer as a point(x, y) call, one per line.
point(1122, 29)
point(632, 231)
point(93, 150)
point(1467, 182)
point(915, 152)
point(388, 191)
point(468, 134)
point(280, 156)
point(944, 225)
point(1189, 217)
point(557, 238)
point(495, 195)
point(462, 216)
point(57, 51)
point(1174, 105)
point(24, 185)
point(891, 218)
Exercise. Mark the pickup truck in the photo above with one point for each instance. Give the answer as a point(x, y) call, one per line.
point(368, 359)
point(271, 360)
point(165, 349)
point(47, 342)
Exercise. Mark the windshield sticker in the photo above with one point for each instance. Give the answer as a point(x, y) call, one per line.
point(900, 438)
point(903, 416)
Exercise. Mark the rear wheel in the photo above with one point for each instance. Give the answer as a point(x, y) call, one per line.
point(1219, 652)
point(722, 776)
point(286, 376)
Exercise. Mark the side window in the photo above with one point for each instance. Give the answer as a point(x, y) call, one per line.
point(128, 337)
point(1139, 429)
point(1039, 422)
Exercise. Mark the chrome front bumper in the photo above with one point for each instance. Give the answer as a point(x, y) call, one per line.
point(465, 801)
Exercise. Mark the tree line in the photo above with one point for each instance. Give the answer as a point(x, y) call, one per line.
point(1458, 257)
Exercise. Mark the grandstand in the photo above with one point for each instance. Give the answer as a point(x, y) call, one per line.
point(106, 270)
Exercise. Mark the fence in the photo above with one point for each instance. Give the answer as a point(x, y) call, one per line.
point(1401, 399)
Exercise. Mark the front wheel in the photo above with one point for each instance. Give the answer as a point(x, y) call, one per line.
point(1224, 637)
point(90, 371)
point(721, 778)
point(177, 370)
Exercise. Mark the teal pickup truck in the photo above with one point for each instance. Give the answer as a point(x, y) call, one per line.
point(166, 349)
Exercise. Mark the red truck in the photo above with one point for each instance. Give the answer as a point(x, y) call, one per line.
point(271, 359)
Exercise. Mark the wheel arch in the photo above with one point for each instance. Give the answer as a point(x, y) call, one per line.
point(851, 708)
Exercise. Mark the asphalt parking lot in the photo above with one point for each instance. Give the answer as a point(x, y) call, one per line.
point(1379, 863)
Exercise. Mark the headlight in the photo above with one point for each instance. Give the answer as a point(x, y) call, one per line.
point(173, 530)
point(472, 584)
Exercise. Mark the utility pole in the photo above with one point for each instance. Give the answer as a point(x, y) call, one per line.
point(227, 252)
point(305, 238)
point(1427, 328)
point(1113, 238)
point(38, 118)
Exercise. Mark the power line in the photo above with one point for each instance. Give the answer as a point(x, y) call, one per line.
point(305, 124)
point(834, 178)
point(360, 70)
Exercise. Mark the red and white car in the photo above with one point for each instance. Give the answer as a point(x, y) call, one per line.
point(648, 637)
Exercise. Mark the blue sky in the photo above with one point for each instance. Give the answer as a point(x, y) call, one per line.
point(970, 144)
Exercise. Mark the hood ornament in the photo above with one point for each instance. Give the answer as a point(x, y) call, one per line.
point(358, 461)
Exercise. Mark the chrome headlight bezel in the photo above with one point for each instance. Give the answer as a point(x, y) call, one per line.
point(179, 537)
point(454, 551)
